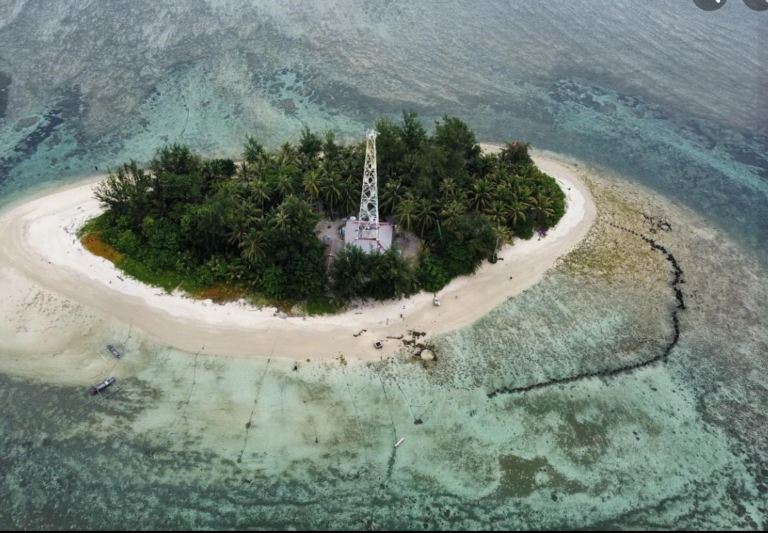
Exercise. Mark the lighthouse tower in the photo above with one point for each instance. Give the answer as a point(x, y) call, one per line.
point(367, 232)
point(368, 228)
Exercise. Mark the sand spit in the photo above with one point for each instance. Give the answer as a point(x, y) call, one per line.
point(38, 242)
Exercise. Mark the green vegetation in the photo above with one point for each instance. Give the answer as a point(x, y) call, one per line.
point(217, 227)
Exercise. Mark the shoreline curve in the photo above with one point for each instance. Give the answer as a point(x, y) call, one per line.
point(38, 241)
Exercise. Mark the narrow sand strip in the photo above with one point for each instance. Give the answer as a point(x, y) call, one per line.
point(38, 240)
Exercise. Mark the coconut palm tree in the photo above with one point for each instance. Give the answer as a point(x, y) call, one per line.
point(543, 207)
point(525, 194)
point(284, 182)
point(280, 219)
point(481, 195)
point(259, 190)
point(498, 213)
point(500, 174)
point(253, 150)
point(452, 214)
point(426, 214)
point(244, 172)
point(286, 155)
point(406, 214)
point(517, 211)
point(239, 233)
point(312, 184)
point(247, 215)
point(485, 164)
point(332, 191)
point(350, 200)
point(448, 188)
point(254, 246)
point(503, 234)
point(408, 168)
point(306, 162)
point(392, 196)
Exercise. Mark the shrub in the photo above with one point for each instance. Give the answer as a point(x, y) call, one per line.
point(432, 275)
point(274, 283)
point(128, 243)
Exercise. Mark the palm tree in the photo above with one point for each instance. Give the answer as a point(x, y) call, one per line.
point(247, 216)
point(281, 220)
point(408, 169)
point(452, 213)
point(503, 235)
point(498, 213)
point(517, 211)
point(253, 150)
point(332, 192)
point(391, 196)
point(259, 190)
point(425, 214)
point(485, 164)
point(448, 188)
point(312, 184)
point(543, 207)
point(307, 162)
point(525, 195)
point(244, 172)
point(286, 155)
point(481, 195)
point(406, 214)
point(284, 182)
point(349, 162)
point(350, 200)
point(500, 174)
point(254, 246)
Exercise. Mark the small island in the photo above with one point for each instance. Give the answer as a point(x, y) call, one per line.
point(269, 229)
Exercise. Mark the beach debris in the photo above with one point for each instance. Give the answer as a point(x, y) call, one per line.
point(435, 301)
point(428, 355)
point(378, 345)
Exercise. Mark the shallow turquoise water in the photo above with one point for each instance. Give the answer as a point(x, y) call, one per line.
point(661, 94)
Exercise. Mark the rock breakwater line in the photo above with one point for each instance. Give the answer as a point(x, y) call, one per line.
point(676, 284)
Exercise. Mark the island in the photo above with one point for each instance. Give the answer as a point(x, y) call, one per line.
point(273, 229)
point(59, 241)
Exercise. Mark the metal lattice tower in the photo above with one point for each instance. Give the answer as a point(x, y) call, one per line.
point(368, 227)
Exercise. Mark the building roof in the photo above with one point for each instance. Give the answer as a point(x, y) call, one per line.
point(384, 242)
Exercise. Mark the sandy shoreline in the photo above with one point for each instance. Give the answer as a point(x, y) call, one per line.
point(37, 240)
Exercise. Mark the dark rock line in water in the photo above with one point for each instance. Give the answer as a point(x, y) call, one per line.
point(676, 286)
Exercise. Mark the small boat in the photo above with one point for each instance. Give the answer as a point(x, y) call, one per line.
point(114, 351)
point(399, 443)
point(98, 389)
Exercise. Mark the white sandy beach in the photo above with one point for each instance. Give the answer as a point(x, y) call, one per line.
point(38, 247)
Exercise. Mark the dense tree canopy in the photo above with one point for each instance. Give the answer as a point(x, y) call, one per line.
point(252, 225)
